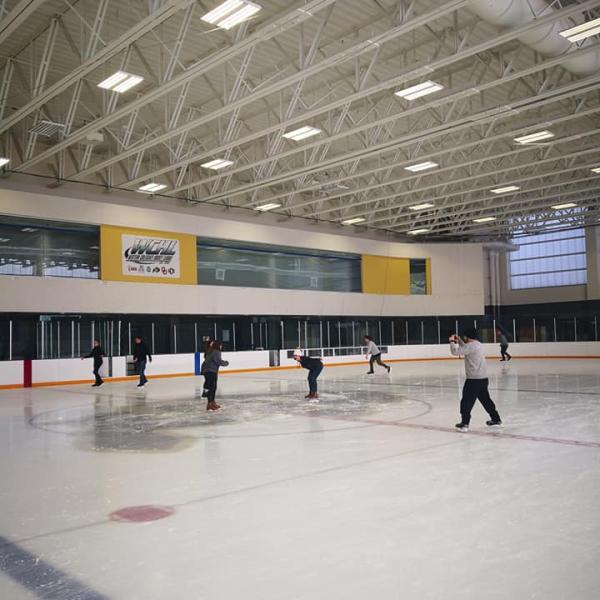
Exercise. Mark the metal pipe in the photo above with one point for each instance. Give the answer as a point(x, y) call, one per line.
point(174, 338)
point(393, 333)
point(195, 337)
point(153, 348)
point(555, 336)
point(534, 331)
point(575, 327)
point(72, 339)
point(10, 339)
point(129, 339)
point(514, 331)
point(234, 338)
point(494, 326)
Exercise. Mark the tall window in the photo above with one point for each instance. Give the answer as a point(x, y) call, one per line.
point(549, 260)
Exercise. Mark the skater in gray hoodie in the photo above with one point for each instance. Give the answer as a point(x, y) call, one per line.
point(476, 384)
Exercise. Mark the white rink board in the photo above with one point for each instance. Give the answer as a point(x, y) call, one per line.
point(246, 360)
point(11, 372)
point(65, 369)
point(170, 364)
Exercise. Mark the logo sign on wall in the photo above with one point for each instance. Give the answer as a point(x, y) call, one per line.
point(142, 255)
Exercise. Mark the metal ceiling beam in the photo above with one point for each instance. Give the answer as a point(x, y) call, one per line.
point(285, 83)
point(288, 20)
point(22, 11)
point(486, 116)
point(166, 11)
point(433, 65)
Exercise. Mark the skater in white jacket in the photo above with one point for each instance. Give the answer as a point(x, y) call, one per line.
point(375, 353)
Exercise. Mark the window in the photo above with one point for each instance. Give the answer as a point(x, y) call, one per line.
point(418, 276)
point(549, 260)
point(48, 249)
point(252, 265)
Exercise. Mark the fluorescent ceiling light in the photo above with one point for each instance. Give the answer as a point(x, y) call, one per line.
point(2, 240)
point(484, 220)
point(580, 32)
point(422, 89)
point(505, 190)
point(4, 161)
point(353, 221)
point(302, 133)
point(218, 163)
point(230, 13)
point(594, 170)
point(422, 206)
point(28, 229)
point(152, 187)
point(534, 137)
point(265, 207)
point(566, 205)
point(120, 82)
point(421, 166)
point(418, 231)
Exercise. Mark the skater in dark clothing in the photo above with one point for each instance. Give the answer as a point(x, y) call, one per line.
point(476, 385)
point(503, 347)
point(96, 353)
point(141, 355)
point(314, 367)
point(210, 369)
point(375, 353)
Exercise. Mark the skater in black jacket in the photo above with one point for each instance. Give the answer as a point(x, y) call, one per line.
point(314, 366)
point(141, 355)
point(96, 353)
point(210, 369)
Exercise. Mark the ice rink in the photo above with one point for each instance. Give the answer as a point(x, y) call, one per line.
point(369, 494)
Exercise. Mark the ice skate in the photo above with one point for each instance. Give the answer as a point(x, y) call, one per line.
point(313, 398)
point(494, 423)
point(462, 427)
point(212, 405)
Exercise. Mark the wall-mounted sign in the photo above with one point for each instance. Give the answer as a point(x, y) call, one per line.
point(147, 256)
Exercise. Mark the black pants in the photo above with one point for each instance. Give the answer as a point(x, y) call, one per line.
point(313, 373)
point(141, 369)
point(503, 351)
point(477, 389)
point(99, 380)
point(376, 358)
point(210, 386)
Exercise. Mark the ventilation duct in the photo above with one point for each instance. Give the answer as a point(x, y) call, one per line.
point(545, 39)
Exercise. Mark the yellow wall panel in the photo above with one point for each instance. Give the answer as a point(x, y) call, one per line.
point(428, 289)
point(385, 275)
point(147, 256)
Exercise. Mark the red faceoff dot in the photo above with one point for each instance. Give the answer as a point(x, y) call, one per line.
point(141, 514)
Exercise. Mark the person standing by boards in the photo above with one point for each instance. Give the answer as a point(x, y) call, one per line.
point(476, 384)
point(503, 347)
point(141, 355)
point(97, 354)
point(314, 367)
point(213, 361)
point(375, 353)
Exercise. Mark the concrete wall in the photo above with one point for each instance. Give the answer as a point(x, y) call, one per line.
point(457, 269)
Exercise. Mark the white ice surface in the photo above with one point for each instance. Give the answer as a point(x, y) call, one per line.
point(275, 499)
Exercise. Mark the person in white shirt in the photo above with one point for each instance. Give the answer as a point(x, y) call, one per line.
point(476, 384)
point(375, 353)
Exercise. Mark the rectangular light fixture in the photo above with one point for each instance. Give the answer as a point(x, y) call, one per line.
point(565, 205)
point(418, 231)
point(152, 188)
point(580, 32)
point(120, 82)
point(302, 133)
point(422, 89)
point(421, 166)
point(422, 206)
point(484, 220)
point(4, 161)
point(231, 13)
point(594, 170)
point(28, 229)
point(218, 163)
point(266, 207)
point(505, 190)
point(534, 137)
point(353, 221)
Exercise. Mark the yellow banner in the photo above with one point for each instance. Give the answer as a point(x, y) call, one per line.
point(147, 256)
